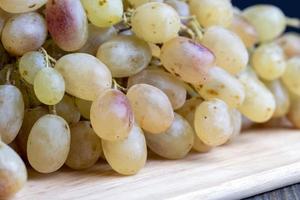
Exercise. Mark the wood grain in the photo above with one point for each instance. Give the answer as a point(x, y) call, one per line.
point(256, 162)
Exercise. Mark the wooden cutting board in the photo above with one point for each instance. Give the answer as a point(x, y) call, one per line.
point(256, 162)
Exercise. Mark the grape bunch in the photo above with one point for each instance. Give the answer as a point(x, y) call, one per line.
point(112, 79)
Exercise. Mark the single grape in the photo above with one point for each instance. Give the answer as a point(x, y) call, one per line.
point(85, 76)
point(48, 143)
point(85, 148)
point(125, 55)
point(11, 112)
point(187, 60)
point(174, 143)
point(224, 86)
point(84, 107)
point(259, 104)
point(67, 109)
point(49, 86)
point(210, 13)
point(111, 115)
point(171, 86)
point(245, 30)
point(155, 22)
point(268, 20)
point(30, 117)
point(96, 37)
point(67, 23)
point(103, 13)
point(291, 75)
point(290, 43)
point(30, 64)
point(231, 53)
point(213, 123)
point(127, 156)
point(281, 96)
point(23, 33)
point(13, 173)
point(152, 108)
point(137, 3)
point(268, 60)
point(21, 6)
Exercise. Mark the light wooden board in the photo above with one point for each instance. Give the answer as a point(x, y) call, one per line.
point(256, 162)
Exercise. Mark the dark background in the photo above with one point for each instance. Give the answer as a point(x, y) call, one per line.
point(291, 8)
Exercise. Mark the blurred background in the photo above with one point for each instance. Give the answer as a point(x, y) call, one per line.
point(291, 8)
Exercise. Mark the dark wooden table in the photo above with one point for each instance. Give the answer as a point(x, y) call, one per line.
point(288, 193)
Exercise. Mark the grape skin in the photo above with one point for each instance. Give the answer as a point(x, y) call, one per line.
point(151, 107)
point(85, 76)
point(174, 143)
point(125, 55)
point(13, 173)
point(84, 107)
point(127, 156)
point(172, 87)
point(48, 143)
point(231, 53)
point(213, 123)
point(21, 6)
point(187, 60)
point(155, 22)
point(85, 148)
point(67, 109)
point(291, 75)
point(290, 43)
point(49, 86)
point(23, 33)
point(67, 23)
point(111, 115)
point(11, 112)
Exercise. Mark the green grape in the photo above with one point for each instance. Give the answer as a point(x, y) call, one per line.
point(85, 148)
point(96, 37)
point(281, 96)
point(181, 7)
point(231, 53)
point(224, 86)
point(152, 108)
point(30, 64)
point(23, 33)
point(11, 112)
point(84, 107)
point(13, 173)
point(210, 13)
point(48, 143)
point(291, 75)
point(246, 31)
point(30, 117)
point(125, 55)
point(174, 143)
point(85, 76)
point(236, 120)
point(21, 6)
point(111, 115)
point(213, 123)
point(49, 86)
point(171, 86)
point(268, 60)
point(103, 13)
point(137, 3)
point(259, 104)
point(67, 109)
point(67, 23)
point(290, 43)
point(268, 20)
point(155, 22)
point(127, 156)
point(200, 146)
point(187, 59)
point(293, 114)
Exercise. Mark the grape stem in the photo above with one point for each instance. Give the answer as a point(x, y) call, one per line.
point(117, 86)
point(194, 27)
point(127, 17)
point(190, 90)
point(293, 22)
point(8, 75)
point(48, 58)
point(52, 109)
